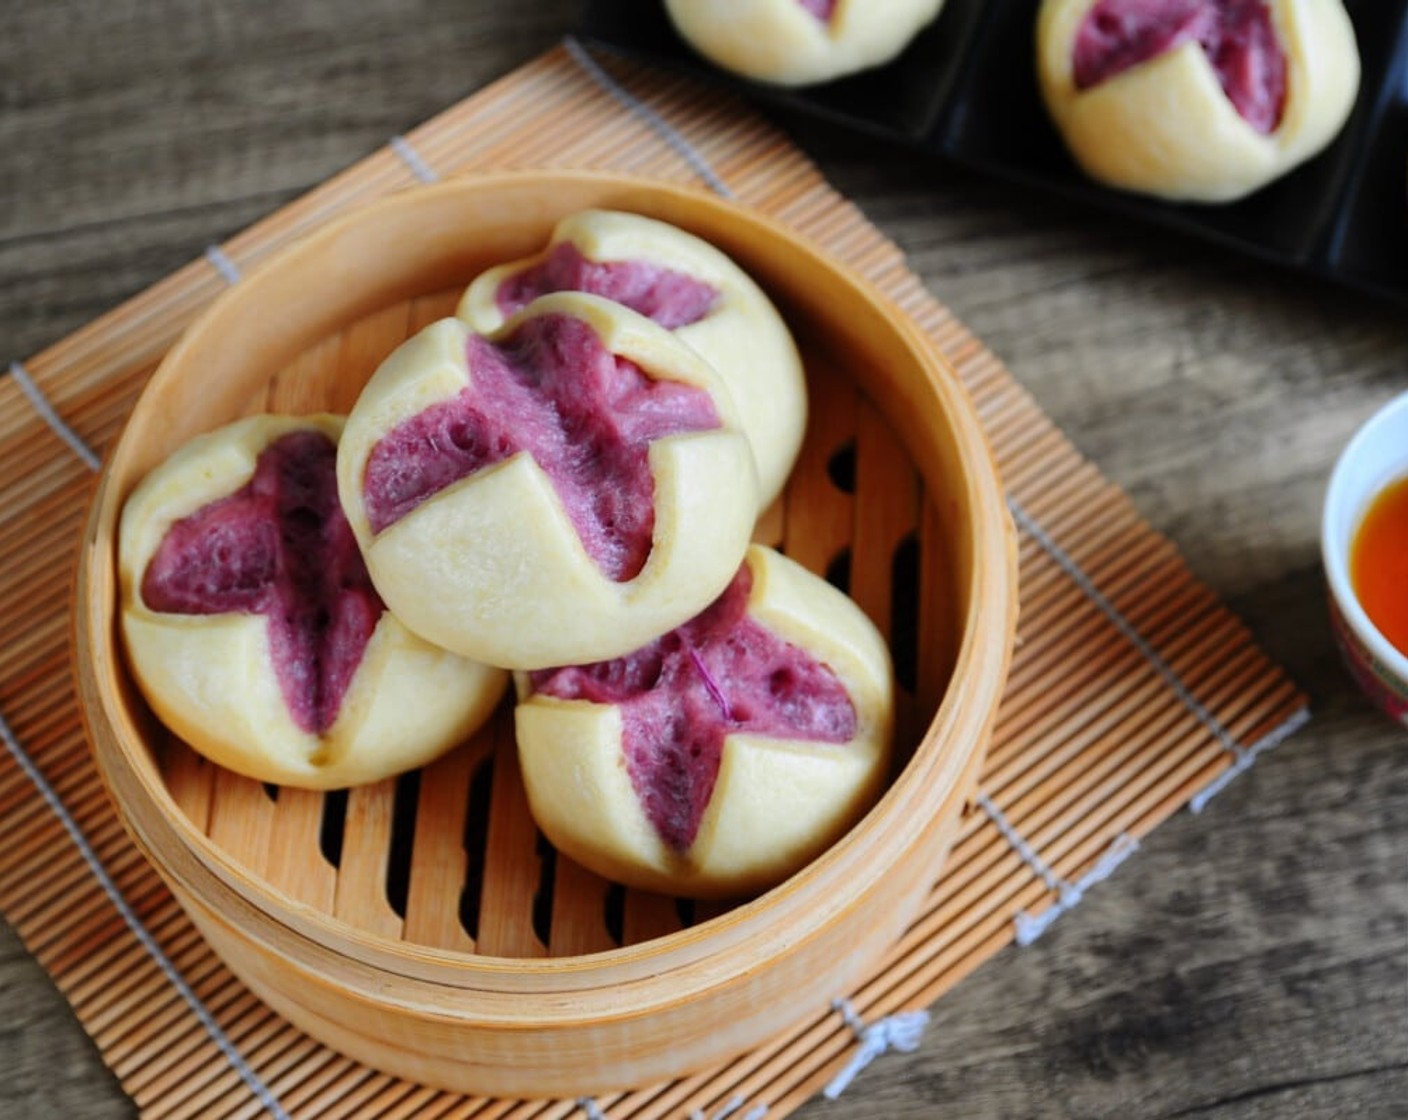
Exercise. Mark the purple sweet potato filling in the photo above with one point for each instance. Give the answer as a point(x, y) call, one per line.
point(586, 416)
point(822, 9)
point(673, 299)
point(279, 546)
point(1238, 36)
point(680, 696)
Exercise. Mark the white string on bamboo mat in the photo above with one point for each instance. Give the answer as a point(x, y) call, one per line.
point(412, 159)
point(139, 930)
point(50, 415)
point(902, 1031)
point(1069, 894)
point(220, 261)
point(652, 120)
point(733, 1110)
point(1274, 738)
point(1029, 927)
point(1244, 757)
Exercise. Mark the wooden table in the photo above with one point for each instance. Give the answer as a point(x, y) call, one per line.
point(1250, 962)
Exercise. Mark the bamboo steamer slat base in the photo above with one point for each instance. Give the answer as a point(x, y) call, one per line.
point(421, 925)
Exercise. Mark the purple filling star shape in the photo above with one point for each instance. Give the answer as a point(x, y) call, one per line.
point(279, 547)
point(719, 674)
point(586, 417)
point(1238, 37)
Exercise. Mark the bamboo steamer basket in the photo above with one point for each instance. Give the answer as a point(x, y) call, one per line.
point(578, 1010)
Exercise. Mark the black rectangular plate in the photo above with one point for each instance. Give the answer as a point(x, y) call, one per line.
point(903, 100)
point(966, 89)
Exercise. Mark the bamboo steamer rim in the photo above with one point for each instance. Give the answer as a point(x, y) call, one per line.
point(772, 923)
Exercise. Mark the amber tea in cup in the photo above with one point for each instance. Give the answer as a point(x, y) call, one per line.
point(1364, 541)
point(1378, 563)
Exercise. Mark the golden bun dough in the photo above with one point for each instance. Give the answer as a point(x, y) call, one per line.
point(742, 336)
point(776, 803)
point(780, 41)
point(492, 567)
point(211, 679)
point(1165, 127)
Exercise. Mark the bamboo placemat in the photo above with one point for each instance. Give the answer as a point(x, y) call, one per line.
point(1133, 691)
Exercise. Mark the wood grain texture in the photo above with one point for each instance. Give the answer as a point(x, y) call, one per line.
point(1249, 962)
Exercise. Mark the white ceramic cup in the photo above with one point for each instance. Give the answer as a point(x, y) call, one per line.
point(1374, 458)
